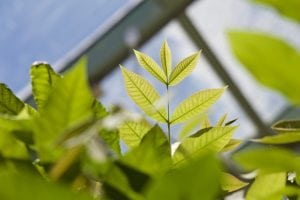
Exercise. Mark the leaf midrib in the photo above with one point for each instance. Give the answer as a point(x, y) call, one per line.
point(174, 120)
point(176, 75)
point(132, 129)
point(145, 97)
point(152, 70)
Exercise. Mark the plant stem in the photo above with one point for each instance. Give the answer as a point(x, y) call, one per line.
point(168, 119)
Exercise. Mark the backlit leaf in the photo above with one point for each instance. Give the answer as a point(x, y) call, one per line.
point(266, 186)
point(232, 144)
point(43, 78)
point(230, 183)
point(183, 69)
point(9, 103)
point(272, 61)
point(221, 120)
point(289, 8)
point(151, 66)
point(283, 138)
point(195, 104)
point(70, 102)
point(133, 132)
point(143, 94)
point(214, 139)
point(285, 126)
point(198, 179)
point(166, 58)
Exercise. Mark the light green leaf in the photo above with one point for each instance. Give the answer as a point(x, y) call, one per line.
point(43, 78)
point(112, 139)
point(214, 139)
point(133, 132)
point(272, 61)
point(289, 8)
point(143, 94)
point(266, 186)
point(153, 155)
point(283, 138)
point(199, 179)
point(166, 58)
point(183, 69)
point(285, 126)
point(151, 66)
point(9, 103)
point(190, 126)
point(268, 159)
point(195, 104)
point(69, 103)
point(221, 120)
point(230, 183)
point(27, 186)
point(232, 144)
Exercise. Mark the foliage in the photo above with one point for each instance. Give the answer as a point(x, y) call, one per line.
point(66, 148)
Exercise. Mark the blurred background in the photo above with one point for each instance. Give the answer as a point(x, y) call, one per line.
point(250, 45)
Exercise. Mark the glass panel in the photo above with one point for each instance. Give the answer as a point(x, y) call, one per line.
point(213, 19)
point(46, 30)
point(203, 77)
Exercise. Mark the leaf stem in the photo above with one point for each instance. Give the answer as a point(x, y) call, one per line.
point(168, 110)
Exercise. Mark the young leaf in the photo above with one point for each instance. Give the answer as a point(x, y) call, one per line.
point(232, 144)
point(190, 126)
point(266, 186)
point(221, 120)
point(166, 58)
point(214, 139)
point(112, 139)
point(268, 159)
point(9, 103)
point(143, 94)
point(230, 183)
point(70, 102)
point(195, 104)
point(284, 138)
point(153, 155)
point(151, 66)
point(133, 132)
point(43, 79)
point(198, 179)
point(183, 69)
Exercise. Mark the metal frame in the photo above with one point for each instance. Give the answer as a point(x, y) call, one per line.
point(106, 50)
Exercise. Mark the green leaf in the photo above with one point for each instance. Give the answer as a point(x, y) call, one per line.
point(195, 104)
point(151, 66)
point(27, 186)
point(9, 103)
point(230, 183)
point(112, 139)
point(153, 155)
point(69, 103)
point(289, 8)
point(253, 51)
point(143, 94)
point(214, 139)
point(284, 138)
point(190, 126)
point(232, 144)
point(266, 186)
point(43, 78)
point(133, 132)
point(268, 160)
point(285, 126)
point(183, 69)
point(199, 179)
point(166, 58)
point(221, 120)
